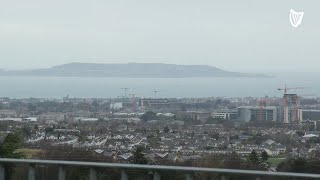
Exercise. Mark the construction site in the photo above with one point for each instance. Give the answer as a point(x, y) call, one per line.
point(288, 111)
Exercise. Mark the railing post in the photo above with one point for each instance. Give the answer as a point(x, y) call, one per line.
point(62, 173)
point(189, 177)
point(223, 177)
point(156, 176)
point(124, 175)
point(93, 174)
point(31, 173)
point(2, 172)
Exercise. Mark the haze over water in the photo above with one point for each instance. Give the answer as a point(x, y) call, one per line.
point(87, 87)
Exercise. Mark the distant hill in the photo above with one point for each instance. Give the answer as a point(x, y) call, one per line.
point(137, 70)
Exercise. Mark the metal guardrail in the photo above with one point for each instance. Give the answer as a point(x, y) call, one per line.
point(188, 171)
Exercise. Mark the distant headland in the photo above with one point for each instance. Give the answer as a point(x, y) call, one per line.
point(130, 70)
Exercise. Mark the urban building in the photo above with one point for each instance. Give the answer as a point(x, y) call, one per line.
point(256, 113)
point(232, 115)
point(311, 114)
point(196, 116)
point(291, 112)
point(154, 103)
point(116, 105)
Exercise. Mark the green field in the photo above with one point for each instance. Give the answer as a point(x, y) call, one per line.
point(274, 162)
point(30, 153)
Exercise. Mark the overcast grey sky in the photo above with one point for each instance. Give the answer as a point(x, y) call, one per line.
point(241, 35)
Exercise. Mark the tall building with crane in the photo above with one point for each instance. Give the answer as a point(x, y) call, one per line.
point(291, 110)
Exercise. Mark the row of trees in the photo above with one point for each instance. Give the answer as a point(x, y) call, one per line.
point(253, 158)
point(300, 166)
point(254, 161)
point(261, 161)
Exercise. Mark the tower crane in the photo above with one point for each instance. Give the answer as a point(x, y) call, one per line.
point(155, 93)
point(285, 89)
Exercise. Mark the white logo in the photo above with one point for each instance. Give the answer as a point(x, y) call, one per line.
point(295, 18)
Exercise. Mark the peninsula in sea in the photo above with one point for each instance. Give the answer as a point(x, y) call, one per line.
point(130, 70)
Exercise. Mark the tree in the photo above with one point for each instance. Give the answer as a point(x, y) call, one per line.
point(264, 156)
point(149, 116)
point(31, 107)
point(94, 106)
point(234, 137)
point(48, 130)
point(138, 156)
point(300, 133)
point(232, 161)
point(166, 129)
point(300, 165)
point(152, 140)
point(192, 134)
point(253, 157)
point(9, 146)
point(215, 136)
point(95, 103)
point(26, 131)
point(8, 149)
point(36, 127)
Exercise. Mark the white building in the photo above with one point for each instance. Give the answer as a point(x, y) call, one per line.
point(256, 113)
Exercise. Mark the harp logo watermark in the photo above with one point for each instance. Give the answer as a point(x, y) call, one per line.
point(295, 18)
